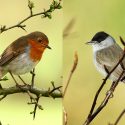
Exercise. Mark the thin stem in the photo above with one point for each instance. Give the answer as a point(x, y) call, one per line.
point(71, 73)
point(35, 107)
point(119, 117)
point(33, 77)
point(104, 102)
point(45, 14)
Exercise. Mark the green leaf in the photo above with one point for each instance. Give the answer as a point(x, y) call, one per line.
point(59, 6)
point(49, 16)
point(52, 8)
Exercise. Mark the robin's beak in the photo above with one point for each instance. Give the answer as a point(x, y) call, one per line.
point(90, 42)
point(48, 47)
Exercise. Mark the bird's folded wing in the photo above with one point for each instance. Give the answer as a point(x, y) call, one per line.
point(13, 50)
point(6, 58)
point(116, 73)
point(109, 56)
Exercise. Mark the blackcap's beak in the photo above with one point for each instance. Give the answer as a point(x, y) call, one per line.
point(48, 47)
point(90, 43)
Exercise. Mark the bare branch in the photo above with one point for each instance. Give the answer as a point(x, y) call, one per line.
point(24, 89)
point(31, 90)
point(71, 72)
point(122, 41)
point(54, 88)
point(46, 13)
point(119, 118)
point(65, 117)
point(36, 105)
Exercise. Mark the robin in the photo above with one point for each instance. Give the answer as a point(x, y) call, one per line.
point(22, 55)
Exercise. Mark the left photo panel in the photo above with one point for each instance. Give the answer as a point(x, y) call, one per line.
point(30, 74)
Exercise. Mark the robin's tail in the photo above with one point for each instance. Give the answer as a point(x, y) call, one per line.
point(2, 72)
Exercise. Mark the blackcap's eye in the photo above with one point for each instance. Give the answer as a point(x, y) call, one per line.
point(39, 40)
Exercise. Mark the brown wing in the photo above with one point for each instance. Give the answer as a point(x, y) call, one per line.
point(110, 57)
point(13, 50)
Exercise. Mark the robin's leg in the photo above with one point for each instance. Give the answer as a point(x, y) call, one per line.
point(14, 79)
point(22, 80)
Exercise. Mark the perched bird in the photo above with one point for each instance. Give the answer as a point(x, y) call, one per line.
point(22, 55)
point(106, 54)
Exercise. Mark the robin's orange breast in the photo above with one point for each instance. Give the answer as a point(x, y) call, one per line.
point(36, 50)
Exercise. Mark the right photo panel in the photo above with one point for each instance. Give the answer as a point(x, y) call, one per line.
point(93, 62)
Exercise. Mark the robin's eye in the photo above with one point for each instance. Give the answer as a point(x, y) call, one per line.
point(39, 40)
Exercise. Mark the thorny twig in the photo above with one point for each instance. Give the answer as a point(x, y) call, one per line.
point(92, 114)
point(46, 13)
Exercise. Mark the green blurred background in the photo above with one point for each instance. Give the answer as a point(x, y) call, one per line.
point(91, 17)
point(14, 109)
